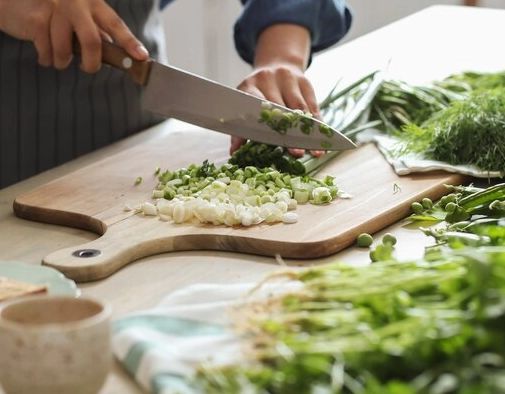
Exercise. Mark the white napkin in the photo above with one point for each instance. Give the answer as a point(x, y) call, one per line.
point(162, 347)
point(411, 163)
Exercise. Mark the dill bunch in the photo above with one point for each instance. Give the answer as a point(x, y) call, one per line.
point(471, 81)
point(469, 131)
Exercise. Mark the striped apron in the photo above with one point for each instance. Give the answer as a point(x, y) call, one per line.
point(48, 117)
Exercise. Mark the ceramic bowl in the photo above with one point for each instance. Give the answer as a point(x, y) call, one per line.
point(54, 345)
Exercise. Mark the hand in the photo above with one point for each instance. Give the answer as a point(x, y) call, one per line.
point(283, 84)
point(51, 24)
point(282, 54)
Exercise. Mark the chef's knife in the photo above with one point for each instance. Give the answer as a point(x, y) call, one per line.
point(175, 93)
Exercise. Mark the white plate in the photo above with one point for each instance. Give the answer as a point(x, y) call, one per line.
point(56, 282)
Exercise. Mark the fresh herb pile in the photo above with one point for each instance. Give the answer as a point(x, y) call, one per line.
point(435, 325)
point(460, 120)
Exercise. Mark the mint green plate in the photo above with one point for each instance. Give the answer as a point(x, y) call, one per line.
point(56, 282)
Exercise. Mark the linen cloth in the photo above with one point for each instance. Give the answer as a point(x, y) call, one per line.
point(412, 163)
point(162, 347)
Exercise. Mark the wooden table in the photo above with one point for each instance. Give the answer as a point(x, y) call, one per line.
point(425, 46)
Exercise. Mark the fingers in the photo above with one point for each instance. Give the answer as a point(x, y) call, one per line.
point(115, 27)
point(290, 85)
point(263, 84)
point(309, 97)
point(285, 86)
point(61, 39)
point(299, 94)
point(52, 25)
point(236, 143)
point(295, 152)
point(91, 46)
point(38, 31)
point(92, 21)
point(42, 42)
point(317, 153)
point(105, 36)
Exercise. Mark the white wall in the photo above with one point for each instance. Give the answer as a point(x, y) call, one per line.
point(200, 32)
point(372, 14)
point(199, 37)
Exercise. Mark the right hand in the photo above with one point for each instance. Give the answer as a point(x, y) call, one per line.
point(51, 25)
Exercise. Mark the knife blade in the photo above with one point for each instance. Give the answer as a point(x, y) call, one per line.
point(175, 93)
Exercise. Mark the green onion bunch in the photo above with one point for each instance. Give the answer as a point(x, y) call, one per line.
point(398, 104)
point(263, 155)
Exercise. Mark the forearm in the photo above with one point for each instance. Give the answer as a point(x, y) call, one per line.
point(326, 20)
point(287, 44)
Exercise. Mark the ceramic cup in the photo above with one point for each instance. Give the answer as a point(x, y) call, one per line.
point(54, 345)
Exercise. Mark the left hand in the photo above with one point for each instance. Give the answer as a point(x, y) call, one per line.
point(282, 54)
point(283, 84)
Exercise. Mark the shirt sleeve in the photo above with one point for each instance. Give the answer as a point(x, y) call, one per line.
point(164, 3)
point(327, 20)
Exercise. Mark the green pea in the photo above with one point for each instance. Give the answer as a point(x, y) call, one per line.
point(265, 115)
point(451, 197)
point(389, 239)
point(450, 207)
point(417, 207)
point(373, 256)
point(325, 130)
point(364, 240)
point(427, 203)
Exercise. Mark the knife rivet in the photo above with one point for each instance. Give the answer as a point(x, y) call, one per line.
point(127, 62)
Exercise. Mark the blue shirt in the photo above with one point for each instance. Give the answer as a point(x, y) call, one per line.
point(327, 20)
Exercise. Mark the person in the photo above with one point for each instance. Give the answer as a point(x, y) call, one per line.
point(55, 106)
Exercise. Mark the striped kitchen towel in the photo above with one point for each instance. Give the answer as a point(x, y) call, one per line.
point(162, 347)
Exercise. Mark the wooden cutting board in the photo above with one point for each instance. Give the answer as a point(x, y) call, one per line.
point(94, 198)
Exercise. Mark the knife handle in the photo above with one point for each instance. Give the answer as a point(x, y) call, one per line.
point(117, 57)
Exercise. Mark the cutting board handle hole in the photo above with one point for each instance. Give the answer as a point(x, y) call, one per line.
point(86, 253)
